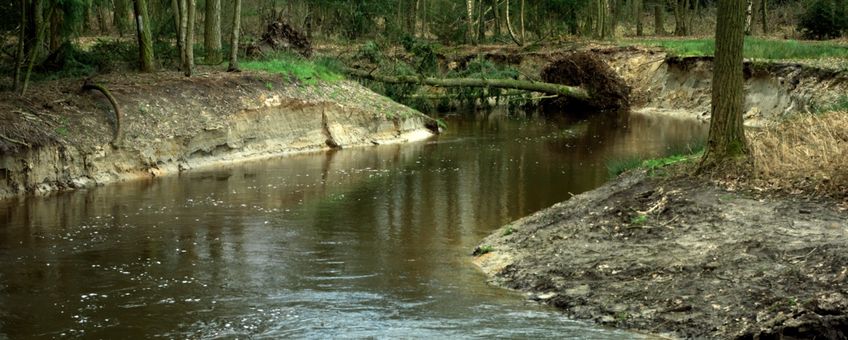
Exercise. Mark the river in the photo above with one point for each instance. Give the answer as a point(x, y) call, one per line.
point(366, 242)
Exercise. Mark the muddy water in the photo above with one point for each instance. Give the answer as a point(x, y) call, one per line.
point(370, 242)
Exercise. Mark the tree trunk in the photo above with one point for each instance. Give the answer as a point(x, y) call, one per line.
point(497, 13)
point(469, 4)
point(659, 18)
point(512, 35)
point(523, 35)
point(764, 11)
point(21, 50)
point(41, 30)
point(680, 8)
point(554, 89)
point(212, 32)
point(727, 135)
point(56, 21)
point(189, 21)
point(145, 41)
point(178, 29)
point(637, 16)
point(234, 39)
point(749, 16)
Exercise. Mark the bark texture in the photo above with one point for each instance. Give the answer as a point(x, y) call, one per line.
point(234, 39)
point(145, 41)
point(212, 32)
point(727, 136)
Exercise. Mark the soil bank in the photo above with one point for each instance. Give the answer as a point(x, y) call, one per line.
point(59, 137)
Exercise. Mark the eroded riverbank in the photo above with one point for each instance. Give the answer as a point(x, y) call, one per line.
point(59, 137)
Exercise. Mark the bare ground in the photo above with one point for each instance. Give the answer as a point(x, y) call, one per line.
point(703, 262)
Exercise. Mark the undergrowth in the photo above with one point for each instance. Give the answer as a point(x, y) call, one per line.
point(297, 69)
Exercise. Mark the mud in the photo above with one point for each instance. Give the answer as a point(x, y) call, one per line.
point(59, 137)
point(683, 258)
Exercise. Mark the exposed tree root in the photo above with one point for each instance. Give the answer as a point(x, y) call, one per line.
point(89, 85)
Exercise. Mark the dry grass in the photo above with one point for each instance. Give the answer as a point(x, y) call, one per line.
point(806, 154)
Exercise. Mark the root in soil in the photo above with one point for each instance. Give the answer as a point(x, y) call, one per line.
point(608, 91)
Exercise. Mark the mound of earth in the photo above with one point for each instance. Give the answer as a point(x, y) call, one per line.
point(681, 256)
point(608, 91)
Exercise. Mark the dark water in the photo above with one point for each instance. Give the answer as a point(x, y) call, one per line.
point(370, 242)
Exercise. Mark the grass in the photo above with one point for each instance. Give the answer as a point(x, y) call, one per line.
point(485, 249)
point(297, 69)
point(755, 48)
point(639, 219)
point(673, 155)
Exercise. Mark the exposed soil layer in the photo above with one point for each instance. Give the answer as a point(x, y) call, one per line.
point(58, 136)
point(683, 257)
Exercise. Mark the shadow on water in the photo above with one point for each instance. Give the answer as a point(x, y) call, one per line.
point(350, 243)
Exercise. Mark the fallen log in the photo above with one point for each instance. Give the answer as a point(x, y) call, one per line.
point(526, 85)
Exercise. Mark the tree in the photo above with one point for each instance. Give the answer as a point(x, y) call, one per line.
point(234, 39)
point(145, 42)
point(727, 136)
point(212, 32)
point(20, 52)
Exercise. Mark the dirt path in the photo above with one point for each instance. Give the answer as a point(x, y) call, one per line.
point(681, 258)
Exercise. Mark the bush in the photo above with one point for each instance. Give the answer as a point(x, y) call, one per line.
point(824, 19)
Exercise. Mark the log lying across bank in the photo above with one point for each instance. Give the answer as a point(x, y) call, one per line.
point(526, 85)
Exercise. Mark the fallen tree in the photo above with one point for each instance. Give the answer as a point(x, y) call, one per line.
point(526, 85)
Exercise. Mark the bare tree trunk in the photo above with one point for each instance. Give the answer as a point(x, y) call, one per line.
point(497, 13)
point(637, 16)
point(178, 29)
point(469, 4)
point(749, 16)
point(727, 135)
point(145, 41)
point(659, 17)
point(523, 35)
point(21, 51)
point(56, 21)
point(764, 11)
point(512, 35)
point(191, 7)
point(234, 39)
point(212, 32)
point(41, 30)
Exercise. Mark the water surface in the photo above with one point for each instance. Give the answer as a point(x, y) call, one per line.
point(369, 242)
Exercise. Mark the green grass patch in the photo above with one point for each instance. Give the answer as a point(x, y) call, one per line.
point(639, 219)
point(673, 155)
point(755, 48)
point(295, 68)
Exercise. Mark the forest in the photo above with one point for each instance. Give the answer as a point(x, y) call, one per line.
point(81, 37)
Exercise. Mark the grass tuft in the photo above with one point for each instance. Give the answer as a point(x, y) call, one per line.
point(297, 69)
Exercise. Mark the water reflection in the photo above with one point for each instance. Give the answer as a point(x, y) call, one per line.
point(352, 243)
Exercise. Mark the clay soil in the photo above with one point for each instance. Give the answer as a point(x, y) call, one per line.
point(683, 257)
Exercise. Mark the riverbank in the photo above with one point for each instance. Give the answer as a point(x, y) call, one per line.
point(684, 257)
point(60, 137)
point(669, 253)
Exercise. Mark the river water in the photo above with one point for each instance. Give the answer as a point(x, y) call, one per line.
point(368, 242)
